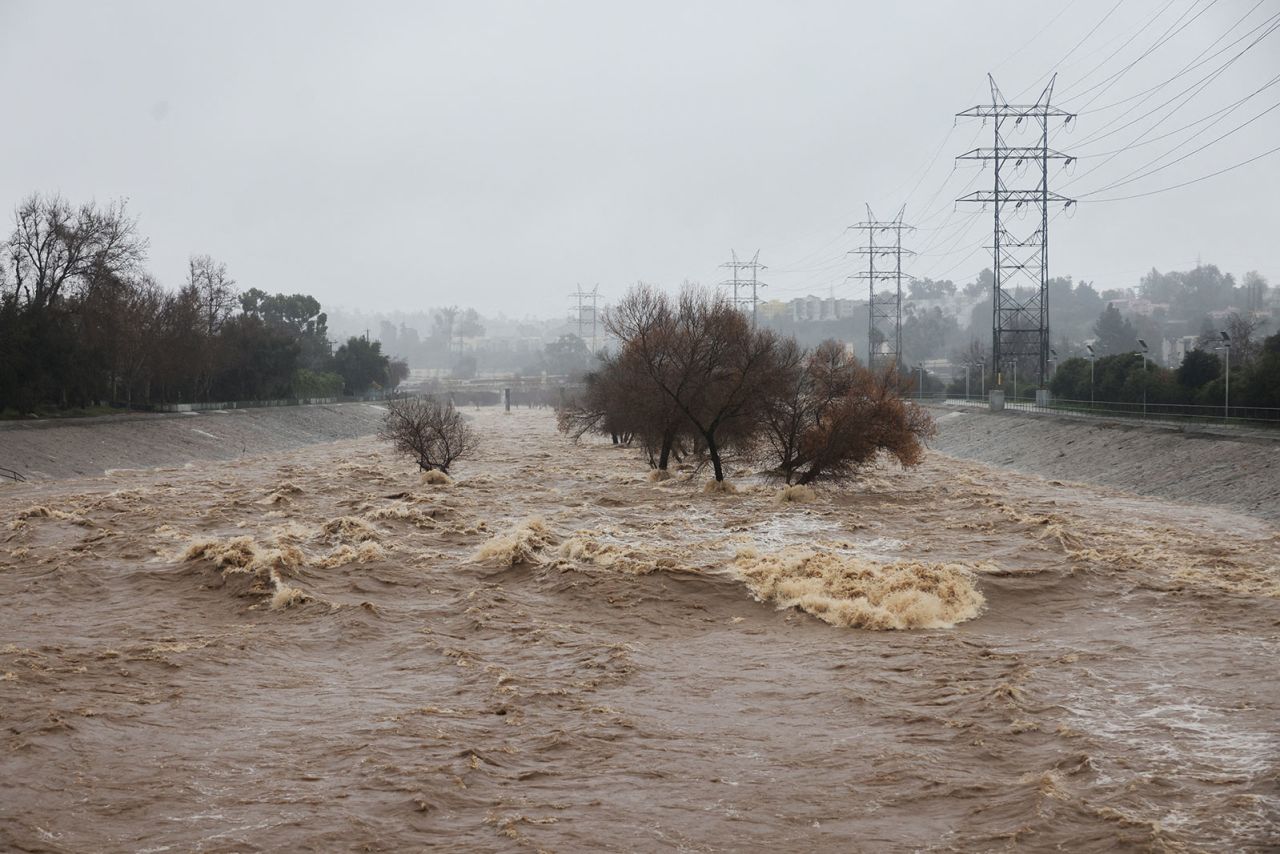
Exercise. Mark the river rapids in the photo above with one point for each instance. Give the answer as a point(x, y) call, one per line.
point(322, 649)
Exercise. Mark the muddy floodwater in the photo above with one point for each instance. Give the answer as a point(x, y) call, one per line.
point(320, 649)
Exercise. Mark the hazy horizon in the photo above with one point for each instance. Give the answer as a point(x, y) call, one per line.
point(401, 156)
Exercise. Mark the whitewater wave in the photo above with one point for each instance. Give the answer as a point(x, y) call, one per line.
point(851, 592)
point(244, 555)
point(523, 544)
point(796, 494)
point(586, 547)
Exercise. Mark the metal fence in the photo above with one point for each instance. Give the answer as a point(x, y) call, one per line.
point(1166, 413)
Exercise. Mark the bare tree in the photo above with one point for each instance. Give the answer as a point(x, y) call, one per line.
point(434, 434)
point(54, 247)
point(1244, 331)
point(443, 325)
point(142, 313)
point(397, 372)
point(1255, 288)
point(217, 291)
point(598, 407)
point(703, 355)
point(645, 321)
point(974, 354)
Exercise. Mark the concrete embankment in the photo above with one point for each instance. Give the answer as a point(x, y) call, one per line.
point(1240, 472)
point(53, 449)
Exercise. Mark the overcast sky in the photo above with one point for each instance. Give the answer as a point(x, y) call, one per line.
point(407, 155)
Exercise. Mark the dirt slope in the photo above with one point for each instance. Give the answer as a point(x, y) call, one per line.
point(1241, 473)
point(49, 449)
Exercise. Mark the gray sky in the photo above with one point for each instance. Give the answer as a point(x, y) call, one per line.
point(405, 155)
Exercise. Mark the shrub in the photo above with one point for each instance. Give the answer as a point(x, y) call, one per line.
point(832, 417)
point(316, 384)
point(432, 433)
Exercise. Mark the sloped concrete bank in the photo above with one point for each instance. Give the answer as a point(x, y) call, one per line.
point(53, 449)
point(1240, 472)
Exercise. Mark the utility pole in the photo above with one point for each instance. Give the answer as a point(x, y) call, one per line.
point(1020, 297)
point(885, 308)
point(738, 280)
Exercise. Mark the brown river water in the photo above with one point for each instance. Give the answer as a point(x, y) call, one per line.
point(320, 650)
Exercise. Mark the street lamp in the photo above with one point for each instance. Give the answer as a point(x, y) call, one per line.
point(1092, 356)
point(982, 380)
point(1143, 354)
point(1226, 401)
point(920, 390)
point(1053, 361)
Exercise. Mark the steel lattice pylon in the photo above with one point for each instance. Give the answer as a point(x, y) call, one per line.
point(884, 307)
point(1020, 296)
point(738, 282)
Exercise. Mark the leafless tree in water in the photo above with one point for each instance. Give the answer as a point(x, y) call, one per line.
point(434, 434)
point(832, 417)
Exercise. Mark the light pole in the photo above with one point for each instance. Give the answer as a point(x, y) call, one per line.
point(1226, 400)
point(1015, 380)
point(920, 390)
point(1092, 356)
point(1053, 363)
point(1143, 354)
point(968, 369)
point(982, 380)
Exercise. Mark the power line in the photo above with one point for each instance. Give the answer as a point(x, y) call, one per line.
point(961, 238)
point(937, 236)
point(1227, 109)
point(1037, 35)
point(1129, 180)
point(1195, 62)
point(1122, 180)
point(1198, 87)
point(1074, 48)
point(1115, 78)
point(1161, 40)
point(794, 267)
point(1192, 181)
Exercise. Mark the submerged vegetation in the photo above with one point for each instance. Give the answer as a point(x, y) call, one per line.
point(693, 378)
point(432, 433)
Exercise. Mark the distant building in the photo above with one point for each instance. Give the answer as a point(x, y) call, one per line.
point(812, 308)
point(1137, 305)
point(1174, 350)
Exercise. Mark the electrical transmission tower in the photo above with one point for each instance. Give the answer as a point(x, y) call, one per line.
point(885, 306)
point(740, 282)
point(1020, 295)
point(583, 312)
